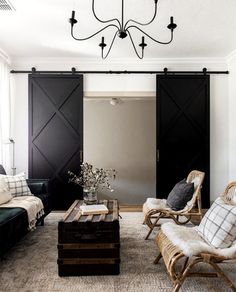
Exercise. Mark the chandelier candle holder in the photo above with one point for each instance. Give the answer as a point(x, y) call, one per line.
point(123, 30)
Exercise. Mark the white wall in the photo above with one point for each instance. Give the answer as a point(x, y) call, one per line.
point(20, 121)
point(232, 118)
point(219, 103)
point(219, 145)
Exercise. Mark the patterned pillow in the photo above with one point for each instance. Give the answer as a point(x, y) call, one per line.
point(218, 226)
point(17, 184)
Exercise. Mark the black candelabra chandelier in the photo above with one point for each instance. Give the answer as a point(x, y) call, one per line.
point(123, 30)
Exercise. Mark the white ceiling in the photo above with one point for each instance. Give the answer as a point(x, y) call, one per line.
point(40, 28)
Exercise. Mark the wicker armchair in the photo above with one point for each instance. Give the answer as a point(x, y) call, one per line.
point(180, 261)
point(155, 209)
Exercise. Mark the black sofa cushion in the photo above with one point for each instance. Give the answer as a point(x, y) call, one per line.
point(38, 186)
point(180, 195)
point(8, 214)
point(14, 225)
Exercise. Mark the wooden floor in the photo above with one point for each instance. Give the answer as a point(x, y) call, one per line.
point(131, 208)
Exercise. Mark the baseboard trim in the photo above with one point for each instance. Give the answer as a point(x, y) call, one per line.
point(131, 208)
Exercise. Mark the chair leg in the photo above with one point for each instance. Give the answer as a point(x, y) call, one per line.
point(181, 278)
point(151, 226)
point(157, 259)
point(184, 265)
point(221, 274)
point(177, 287)
point(149, 232)
point(178, 282)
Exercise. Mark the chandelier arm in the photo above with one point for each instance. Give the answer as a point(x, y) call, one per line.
point(83, 39)
point(103, 21)
point(140, 57)
point(108, 52)
point(140, 23)
point(159, 42)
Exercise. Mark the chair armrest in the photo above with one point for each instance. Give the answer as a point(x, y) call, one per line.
point(38, 186)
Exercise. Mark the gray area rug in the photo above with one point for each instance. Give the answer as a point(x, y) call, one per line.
point(32, 264)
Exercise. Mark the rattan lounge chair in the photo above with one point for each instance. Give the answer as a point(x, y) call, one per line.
point(155, 209)
point(179, 261)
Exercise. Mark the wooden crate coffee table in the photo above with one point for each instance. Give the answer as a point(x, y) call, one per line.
point(89, 244)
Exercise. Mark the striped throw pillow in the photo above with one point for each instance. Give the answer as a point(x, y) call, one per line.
point(17, 184)
point(218, 226)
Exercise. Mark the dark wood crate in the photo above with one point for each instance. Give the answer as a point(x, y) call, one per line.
point(76, 228)
point(89, 245)
point(89, 233)
point(104, 250)
point(87, 269)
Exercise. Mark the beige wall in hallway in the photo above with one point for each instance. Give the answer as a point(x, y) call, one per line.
point(123, 137)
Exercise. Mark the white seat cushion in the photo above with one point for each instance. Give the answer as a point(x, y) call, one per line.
point(153, 203)
point(190, 242)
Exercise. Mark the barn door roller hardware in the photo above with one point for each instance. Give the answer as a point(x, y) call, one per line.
point(74, 71)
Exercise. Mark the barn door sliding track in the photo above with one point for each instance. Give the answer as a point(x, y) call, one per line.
point(74, 71)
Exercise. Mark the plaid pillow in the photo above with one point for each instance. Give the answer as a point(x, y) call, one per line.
point(218, 226)
point(17, 184)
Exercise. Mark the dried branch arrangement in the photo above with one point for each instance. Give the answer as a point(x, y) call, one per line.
point(91, 177)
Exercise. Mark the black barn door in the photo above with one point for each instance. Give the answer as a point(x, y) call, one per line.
point(182, 131)
point(56, 133)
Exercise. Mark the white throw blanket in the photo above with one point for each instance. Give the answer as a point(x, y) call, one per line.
point(33, 205)
point(189, 241)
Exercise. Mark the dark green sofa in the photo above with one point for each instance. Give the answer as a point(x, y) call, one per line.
point(14, 221)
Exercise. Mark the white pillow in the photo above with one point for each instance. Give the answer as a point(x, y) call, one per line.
point(17, 184)
point(5, 195)
point(218, 226)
